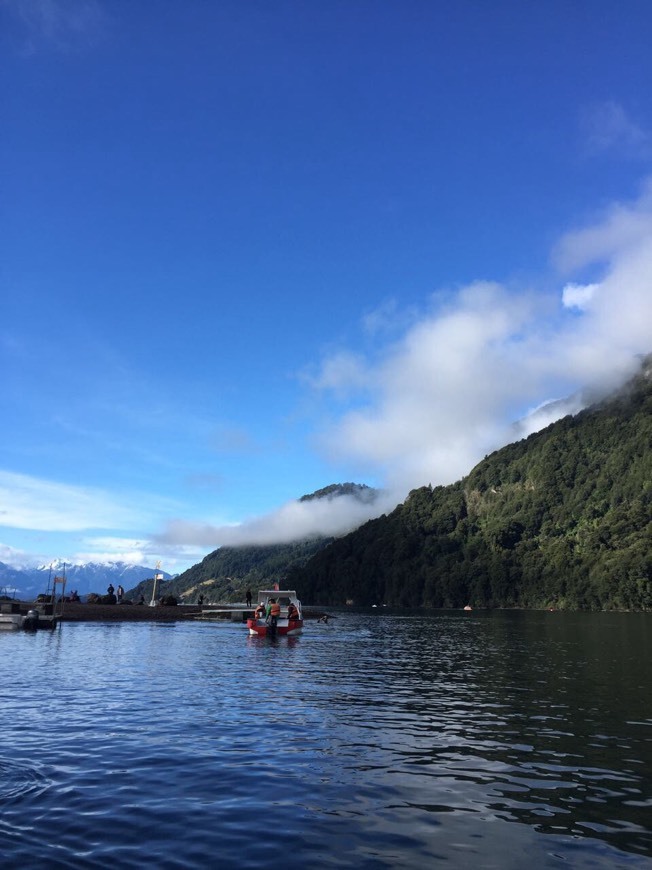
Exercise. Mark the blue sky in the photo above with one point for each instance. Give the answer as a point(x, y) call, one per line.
point(250, 249)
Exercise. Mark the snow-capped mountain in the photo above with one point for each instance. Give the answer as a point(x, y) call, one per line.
point(27, 583)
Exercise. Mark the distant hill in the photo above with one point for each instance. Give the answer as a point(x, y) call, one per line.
point(560, 519)
point(225, 574)
point(27, 583)
point(360, 491)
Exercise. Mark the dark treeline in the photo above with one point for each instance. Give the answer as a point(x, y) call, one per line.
point(561, 519)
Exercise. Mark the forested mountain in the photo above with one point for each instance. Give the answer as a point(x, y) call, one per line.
point(560, 519)
point(225, 574)
point(359, 491)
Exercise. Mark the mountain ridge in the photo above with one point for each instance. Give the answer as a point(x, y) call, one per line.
point(560, 519)
point(84, 578)
point(226, 573)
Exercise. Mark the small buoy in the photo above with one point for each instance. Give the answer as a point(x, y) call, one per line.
point(468, 607)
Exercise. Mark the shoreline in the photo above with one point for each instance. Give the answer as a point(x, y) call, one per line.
point(82, 612)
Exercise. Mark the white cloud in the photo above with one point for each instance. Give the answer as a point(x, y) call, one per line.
point(135, 551)
point(578, 295)
point(382, 319)
point(342, 373)
point(608, 127)
point(116, 546)
point(623, 228)
point(293, 521)
point(618, 322)
point(447, 394)
point(441, 391)
point(60, 24)
point(130, 557)
point(547, 412)
point(33, 503)
point(18, 558)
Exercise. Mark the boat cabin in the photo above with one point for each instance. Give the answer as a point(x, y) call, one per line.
point(282, 596)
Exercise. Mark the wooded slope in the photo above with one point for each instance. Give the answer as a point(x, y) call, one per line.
point(561, 519)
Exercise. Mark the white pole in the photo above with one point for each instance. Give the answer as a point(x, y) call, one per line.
point(157, 579)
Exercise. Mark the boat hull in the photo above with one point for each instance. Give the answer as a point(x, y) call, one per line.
point(284, 628)
point(26, 622)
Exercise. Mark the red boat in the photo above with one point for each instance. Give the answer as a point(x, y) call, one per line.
point(285, 618)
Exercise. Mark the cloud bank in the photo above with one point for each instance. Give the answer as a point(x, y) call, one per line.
point(431, 405)
point(450, 390)
point(428, 406)
point(293, 521)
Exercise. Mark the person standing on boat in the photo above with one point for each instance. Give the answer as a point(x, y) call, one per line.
point(121, 593)
point(273, 613)
point(109, 589)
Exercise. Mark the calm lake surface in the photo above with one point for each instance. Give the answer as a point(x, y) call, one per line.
point(382, 739)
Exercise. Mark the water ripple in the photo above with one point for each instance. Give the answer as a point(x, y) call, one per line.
point(20, 780)
point(380, 740)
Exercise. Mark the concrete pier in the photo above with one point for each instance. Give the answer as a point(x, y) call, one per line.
point(230, 614)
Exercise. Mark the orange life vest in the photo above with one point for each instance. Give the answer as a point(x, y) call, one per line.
point(275, 609)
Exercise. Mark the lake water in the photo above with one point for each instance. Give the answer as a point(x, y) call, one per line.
point(383, 739)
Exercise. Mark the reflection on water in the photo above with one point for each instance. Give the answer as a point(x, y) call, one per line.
point(379, 740)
